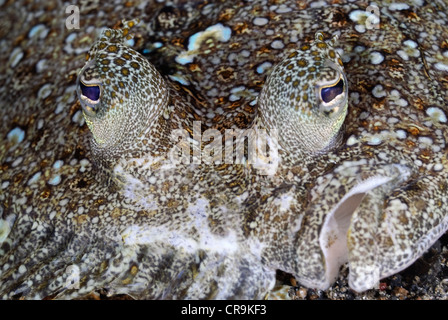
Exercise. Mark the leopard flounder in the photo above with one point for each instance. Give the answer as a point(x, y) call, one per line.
point(361, 166)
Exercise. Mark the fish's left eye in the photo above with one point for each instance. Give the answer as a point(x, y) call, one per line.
point(328, 94)
point(92, 92)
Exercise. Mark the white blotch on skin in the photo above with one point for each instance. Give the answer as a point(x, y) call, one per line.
point(40, 31)
point(16, 136)
point(70, 37)
point(5, 227)
point(84, 163)
point(40, 124)
point(22, 269)
point(354, 98)
point(15, 57)
point(359, 16)
point(41, 65)
point(152, 180)
point(392, 120)
point(277, 44)
point(253, 225)
point(17, 162)
point(22, 201)
point(435, 148)
point(206, 10)
point(436, 114)
point(395, 97)
point(378, 91)
point(409, 50)
point(58, 164)
point(401, 134)
point(318, 4)
point(417, 3)
point(130, 42)
point(213, 92)
point(260, 21)
point(425, 140)
point(352, 140)
point(236, 93)
point(210, 115)
point(402, 102)
point(283, 9)
point(78, 118)
point(383, 155)
point(360, 28)
point(263, 67)
point(442, 67)
point(374, 141)
point(55, 180)
point(364, 115)
point(376, 57)
point(179, 78)
point(44, 91)
point(245, 53)
point(398, 6)
point(35, 178)
point(59, 108)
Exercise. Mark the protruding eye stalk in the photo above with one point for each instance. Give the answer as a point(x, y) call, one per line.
point(305, 99)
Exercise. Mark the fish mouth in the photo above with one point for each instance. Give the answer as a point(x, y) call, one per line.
point(349, 227)
point(334, 238)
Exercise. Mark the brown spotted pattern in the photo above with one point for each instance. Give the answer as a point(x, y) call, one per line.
point(104, 210)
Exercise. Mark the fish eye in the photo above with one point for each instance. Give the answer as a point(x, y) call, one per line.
point(91, 92)
point(329, 93)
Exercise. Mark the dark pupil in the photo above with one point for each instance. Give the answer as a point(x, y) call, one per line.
point(91, 92)
point(330, 93)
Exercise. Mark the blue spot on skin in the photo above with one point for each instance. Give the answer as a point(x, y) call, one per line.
point(226, 34)
point(262, 67)
point(155, 46)
point(36, 30)
point(35, 178)
point(130, 42)
point(192, 41)
point(184, 59)
point(55, 180)
point(179, 79)
point(16, 135)
point(58, 164)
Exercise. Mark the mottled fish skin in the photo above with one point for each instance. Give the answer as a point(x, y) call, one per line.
point(124, 222)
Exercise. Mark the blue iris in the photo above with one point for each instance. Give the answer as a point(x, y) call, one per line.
point(91, 92)
point(329, 93)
